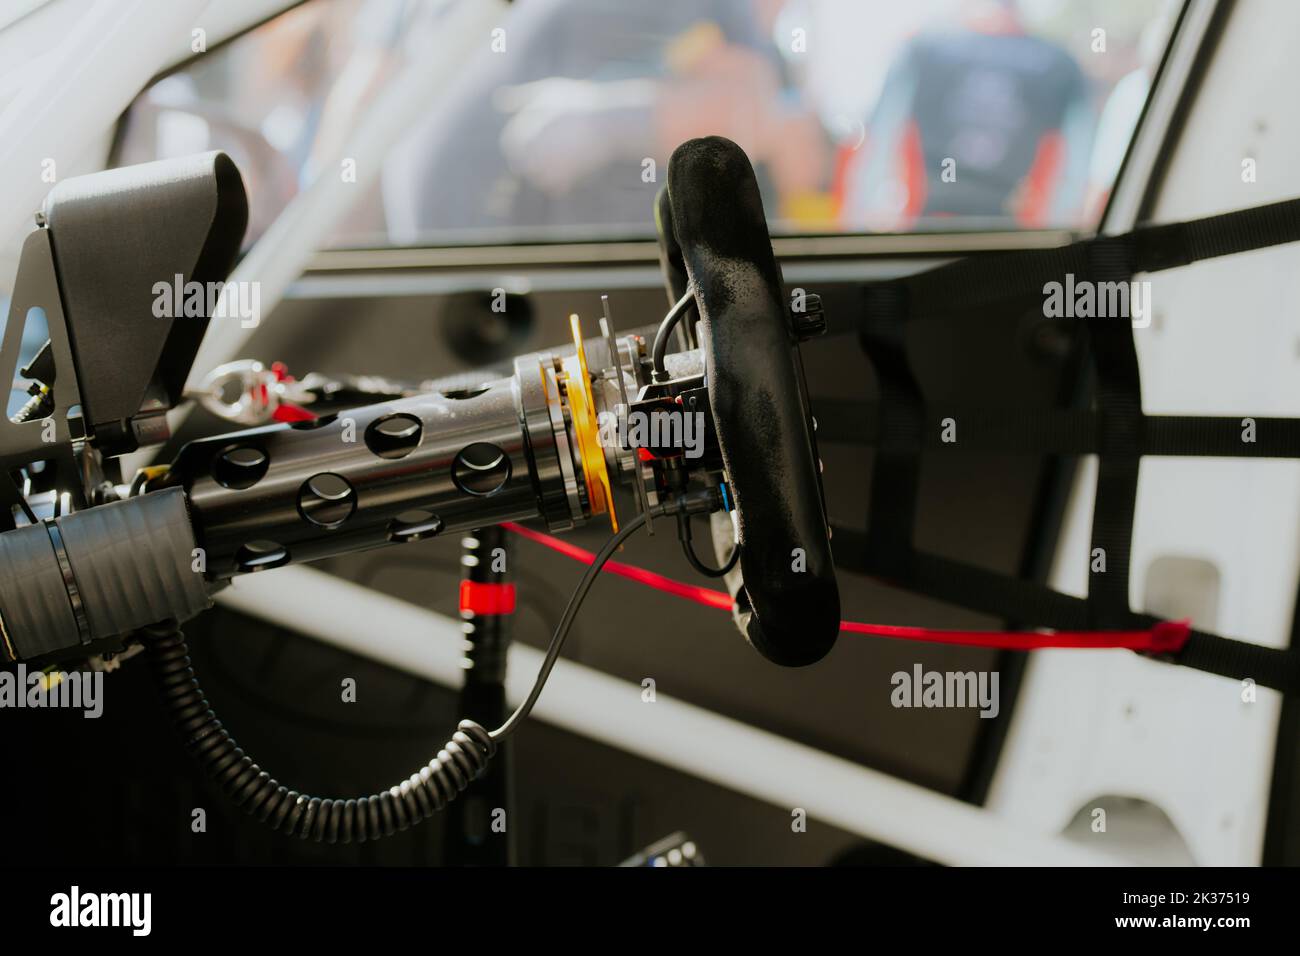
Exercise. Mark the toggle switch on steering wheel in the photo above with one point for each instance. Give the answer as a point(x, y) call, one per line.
point(787, 600)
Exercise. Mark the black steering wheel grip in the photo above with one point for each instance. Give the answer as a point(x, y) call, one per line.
point(787, 599)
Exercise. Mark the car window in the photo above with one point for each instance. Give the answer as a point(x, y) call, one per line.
point(859, 116)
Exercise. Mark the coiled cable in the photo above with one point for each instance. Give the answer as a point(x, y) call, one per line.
point(399, 807)
point(413, 800)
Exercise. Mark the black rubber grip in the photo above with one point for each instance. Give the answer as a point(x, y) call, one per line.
point(69, 584)
point(787, 600)
point(670, 253)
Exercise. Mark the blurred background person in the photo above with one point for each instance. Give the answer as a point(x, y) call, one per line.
point(848, 110)
point(555, 131)
point(981, 121)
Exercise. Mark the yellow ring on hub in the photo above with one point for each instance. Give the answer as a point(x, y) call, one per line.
point(582, 408)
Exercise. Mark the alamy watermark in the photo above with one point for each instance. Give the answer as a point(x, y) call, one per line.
point(659, 429)
point(1085, 299)
point(208, 300)
point(79, 690)
point(922, 688)
point(77, 909)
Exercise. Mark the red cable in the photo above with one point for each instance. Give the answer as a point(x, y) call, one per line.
point(1164, 637)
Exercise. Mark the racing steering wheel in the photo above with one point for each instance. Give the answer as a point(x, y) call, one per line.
point(786, 598)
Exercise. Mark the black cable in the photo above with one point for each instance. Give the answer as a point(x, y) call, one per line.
point(461, 760)
point(688, 548)
point(409, 802)
point(660, 350)
point(566, 621)
point(429, 789)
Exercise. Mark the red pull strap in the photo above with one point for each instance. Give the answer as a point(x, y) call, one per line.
point(1163, 638)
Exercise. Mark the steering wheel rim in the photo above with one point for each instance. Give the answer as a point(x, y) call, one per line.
point(787, 598)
